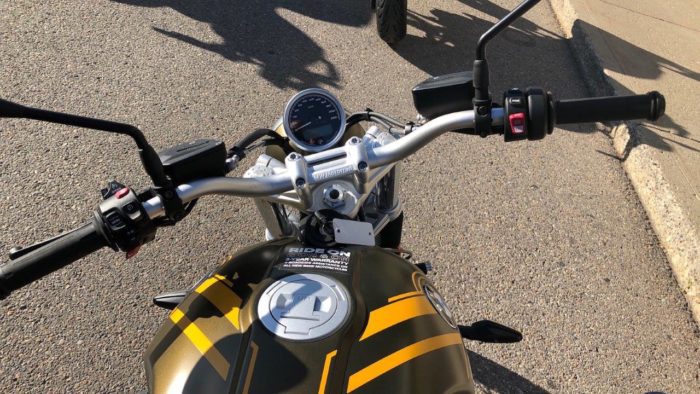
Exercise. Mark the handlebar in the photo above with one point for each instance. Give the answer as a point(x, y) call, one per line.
point(650, 106)
point(62, 251)
point(355, 157)
point(319, 166)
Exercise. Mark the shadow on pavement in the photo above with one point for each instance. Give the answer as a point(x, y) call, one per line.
point(633, 60)
point(497, 378)
point(637, 62)
point(446, 42)
point(254, 32)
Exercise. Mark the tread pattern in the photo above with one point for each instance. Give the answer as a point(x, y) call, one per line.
point(391, 20)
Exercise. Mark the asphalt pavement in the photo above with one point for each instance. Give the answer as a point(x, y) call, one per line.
point(547, 237)
point(660, 158)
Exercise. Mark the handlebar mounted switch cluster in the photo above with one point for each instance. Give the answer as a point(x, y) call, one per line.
point(527, 115)
point(124, 221)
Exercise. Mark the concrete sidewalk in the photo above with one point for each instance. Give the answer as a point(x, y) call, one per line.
point(632, 47)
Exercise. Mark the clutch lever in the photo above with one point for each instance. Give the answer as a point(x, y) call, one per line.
point(19, 251)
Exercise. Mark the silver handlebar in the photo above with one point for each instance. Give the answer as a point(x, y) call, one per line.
point(409, 144)
point(375, 157)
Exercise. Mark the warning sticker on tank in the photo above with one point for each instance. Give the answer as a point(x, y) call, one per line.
point(317, 258)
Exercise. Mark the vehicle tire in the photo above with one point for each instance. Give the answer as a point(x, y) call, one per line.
point(391, 20)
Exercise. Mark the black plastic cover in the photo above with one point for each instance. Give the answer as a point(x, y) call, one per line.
point(443, 94)
point(194, 160)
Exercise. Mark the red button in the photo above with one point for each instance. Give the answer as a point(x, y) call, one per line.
point(121, 193)
point(517, 123)
point(133, 252)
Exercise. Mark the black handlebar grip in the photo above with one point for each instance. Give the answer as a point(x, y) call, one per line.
point(40, 262)
point(650, 106)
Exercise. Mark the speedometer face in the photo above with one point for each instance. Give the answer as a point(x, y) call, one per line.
point(314, 120)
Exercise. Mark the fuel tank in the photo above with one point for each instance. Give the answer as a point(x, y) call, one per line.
point(282, 317)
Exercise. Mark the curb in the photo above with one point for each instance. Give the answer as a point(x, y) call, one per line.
point(672, 227)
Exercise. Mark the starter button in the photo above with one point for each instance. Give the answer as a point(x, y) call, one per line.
point(121, 193)
point(517, 123)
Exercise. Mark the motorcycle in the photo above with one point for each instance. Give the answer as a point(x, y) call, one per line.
point(330, 302)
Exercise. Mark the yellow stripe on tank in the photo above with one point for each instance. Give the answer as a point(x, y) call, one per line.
point(251, 367)
point(404, 295)
point(326, 370)
point(217, 291)
point(176, 315)
point(224, 279)
point(201, 342)
point(389, 315)
point(386, 364)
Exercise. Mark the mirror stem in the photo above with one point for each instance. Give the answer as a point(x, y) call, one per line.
point(149, 157)
point(524, 7)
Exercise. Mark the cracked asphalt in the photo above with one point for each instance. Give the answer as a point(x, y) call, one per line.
point(546, 237)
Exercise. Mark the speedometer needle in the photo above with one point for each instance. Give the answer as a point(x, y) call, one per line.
point(302, 126)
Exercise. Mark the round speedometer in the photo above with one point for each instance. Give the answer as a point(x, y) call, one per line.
point(314, 120)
